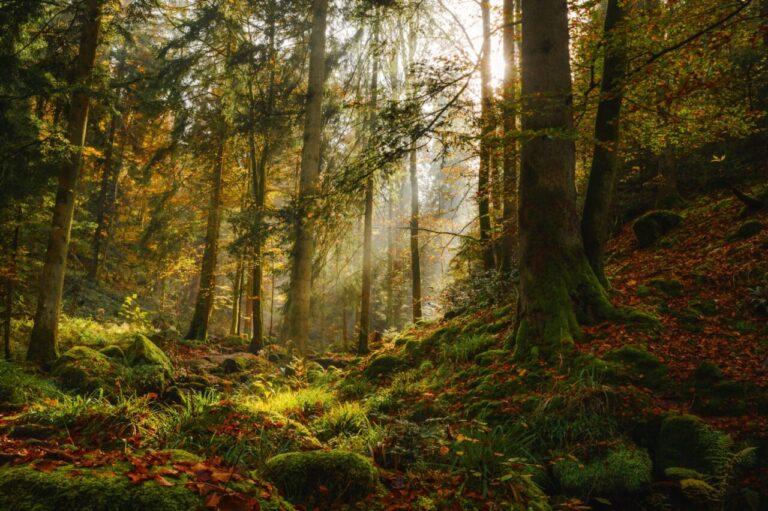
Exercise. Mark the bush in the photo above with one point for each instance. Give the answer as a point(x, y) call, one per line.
point(345, 419)
point(322, 478)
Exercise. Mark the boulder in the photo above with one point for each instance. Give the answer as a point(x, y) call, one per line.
point(685, 441)
point(142, 351)
point(746, 230)
point(634, 363)
point(85, 370)
point(322, 478)
point(383, 365)
point(650, 227)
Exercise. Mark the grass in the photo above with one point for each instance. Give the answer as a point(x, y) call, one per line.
point(466, 347)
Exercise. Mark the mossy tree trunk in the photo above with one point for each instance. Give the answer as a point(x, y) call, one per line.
point(43, 345)
point(558, 289)
point(10, 283)
point(198, 328)
point(413, 173)
point(296, 323)
point(605, 161)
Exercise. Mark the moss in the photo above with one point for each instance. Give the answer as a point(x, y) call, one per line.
point(85, 370)
point(686, 441)
point(143, 351)
point(22, 488)
point(236, 364)
point(383, 365)
point(322, 477)
point(344, 419)
point(489, 357)
point(637, 365)
point(114, 352)
point(708, 373)
point(19, 387)
point(671, 288)
point(619, 470)
point(716, 395)
point(237, 433)
point(746, 230)
point(413, 349)
point(466, 347)
point(653, 225)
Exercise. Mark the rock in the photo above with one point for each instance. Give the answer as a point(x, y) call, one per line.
point(142, 351)
point(236, 364)
point(671, 288)
point(322, 477)
point(84, 369)
point(332, 362)
point(717, 395)
point(637, 365)
point(114, 352)
point(746, 230)
point(653, 225)
point(487, 358)
point(685, 441)
point(619, 470)
point(18, 387)
point(383, 365)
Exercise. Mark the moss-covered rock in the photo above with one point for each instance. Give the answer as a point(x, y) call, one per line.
point(620, 470)
point(19, 387)
point(653, 225)
point(685, 441)
point(142, 351)
point(716, 395)
point(487, 358)
point(746, 230)
point(322, 477)
point(235, 364)
point(383, 365)
point(114, 352)
point(669, 287)
point(22, 488)
point(634, 363)
point(85, 370)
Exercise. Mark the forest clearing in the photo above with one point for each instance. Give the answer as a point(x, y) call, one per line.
point(384, 255)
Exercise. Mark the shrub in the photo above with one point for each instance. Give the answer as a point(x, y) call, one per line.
point(345, 419)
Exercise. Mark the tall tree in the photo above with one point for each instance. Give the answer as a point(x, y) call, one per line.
point(509, 126)
point(43, 345)
point(486, 130)
point(198, 328)
point(605, 160)
point(297, 317)
point(414, 179)
point(558, 288)
point(365, 295)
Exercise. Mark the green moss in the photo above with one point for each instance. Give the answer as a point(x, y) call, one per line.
point(653, 225)
point(746, 230)
point(18, 387)
point(22, 488)
point(85, 370)
point(637, 365)
point(466, 347)
point(489, 357)
point(413, 349)
point(114, 352)
point(236, 364)
point(619, 470)
point(686, 441)
point(142, 351)
point(322, 477)
point(383, 365)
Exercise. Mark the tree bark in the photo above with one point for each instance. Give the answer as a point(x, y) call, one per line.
point(9, 285)
point(198, 328)
point(365, 295)
point(101, 206)
point(297, 318)
point(43, 345)
point(237, 285)
point(483, 176)
point(509, 149)
point(558, 288)
point(415, 256)
point(605, 161)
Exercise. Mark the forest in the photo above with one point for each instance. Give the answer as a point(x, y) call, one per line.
point(497, 255)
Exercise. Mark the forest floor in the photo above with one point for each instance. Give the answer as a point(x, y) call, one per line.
point(437, 417)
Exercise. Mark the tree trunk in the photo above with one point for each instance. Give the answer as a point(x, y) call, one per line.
point(297, 317)
point(415, 257)
point(365, 295)
point(198, 329)
point(509, 148)
point(391, 280)
point(101, 206)
point(483, 177)
point(259, 189)
point(605, 161)
point(9, 286)
point(558, 288)
point(43, 345)
point(237, 286)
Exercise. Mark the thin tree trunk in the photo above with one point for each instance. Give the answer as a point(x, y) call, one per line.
point(237, 285)
point(198, 329)
point(605, 161)
point(259, 184)
point(415, 257)
point(9, 289)
point(558, 288)
point(483, 177)
point(248, 318)
point(390, 284)
point(365, 306)
point(43, 345)
point(101, 206)
point(509, 151)
point(272, 302)
point(297, 317)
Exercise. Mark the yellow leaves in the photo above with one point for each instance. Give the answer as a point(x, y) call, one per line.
point(92, 152)
point(718, 159)
point(462, 438)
